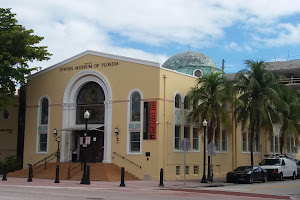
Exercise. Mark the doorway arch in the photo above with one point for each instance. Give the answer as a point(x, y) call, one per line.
point(69, 112)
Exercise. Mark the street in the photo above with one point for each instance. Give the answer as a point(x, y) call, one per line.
point(18, 188)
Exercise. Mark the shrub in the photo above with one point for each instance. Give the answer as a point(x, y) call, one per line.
point(12, 164)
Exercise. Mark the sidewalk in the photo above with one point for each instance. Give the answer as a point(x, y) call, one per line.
point(140, 184)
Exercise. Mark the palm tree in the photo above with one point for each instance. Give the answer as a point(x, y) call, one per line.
point(258, 100)
point(289, 118)
point(208, 98)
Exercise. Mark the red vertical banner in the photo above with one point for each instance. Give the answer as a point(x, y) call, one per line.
point(152, 120)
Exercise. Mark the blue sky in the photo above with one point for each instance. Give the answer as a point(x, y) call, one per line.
point(233, 30)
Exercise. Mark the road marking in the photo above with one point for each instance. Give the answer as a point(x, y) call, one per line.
point(283, 186)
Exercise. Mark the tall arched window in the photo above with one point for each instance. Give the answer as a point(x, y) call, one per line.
point(178, 121)
point(43, 123)
point(44, 111)
point(186, 103)
point(177, 101)
point(135, 107)
point(90, 97)
point(134, 138)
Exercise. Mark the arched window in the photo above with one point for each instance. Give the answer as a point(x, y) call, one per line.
point(43, 124)
point(44, 111)
point(135, 123)
point(187, 128)
point(178, 122)
point(90, 97)
point(186, 103)
point(177, 101)
point(135, 107)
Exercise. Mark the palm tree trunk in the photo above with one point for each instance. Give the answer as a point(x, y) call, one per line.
point(251, 148)
point(281, 143)
point(251, 143)
point(209, 140)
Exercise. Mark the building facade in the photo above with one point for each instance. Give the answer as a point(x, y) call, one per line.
point(138, 116)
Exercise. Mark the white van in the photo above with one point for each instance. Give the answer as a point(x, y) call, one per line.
point(279, 167)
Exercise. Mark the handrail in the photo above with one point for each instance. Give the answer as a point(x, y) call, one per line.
point(45, 160)
point(72, 168)
point(127, 160)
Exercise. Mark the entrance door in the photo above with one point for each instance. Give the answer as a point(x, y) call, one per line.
point(94, 151)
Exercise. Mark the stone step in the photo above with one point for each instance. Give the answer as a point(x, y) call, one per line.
point(98, 172)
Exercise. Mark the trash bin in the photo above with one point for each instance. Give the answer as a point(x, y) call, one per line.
point(74, 155)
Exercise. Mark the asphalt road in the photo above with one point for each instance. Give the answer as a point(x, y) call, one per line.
point(147, 190)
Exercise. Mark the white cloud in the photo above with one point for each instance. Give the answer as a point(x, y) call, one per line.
point(233, 46)
point(71, 27)
point(248, 48)
point(287, 34)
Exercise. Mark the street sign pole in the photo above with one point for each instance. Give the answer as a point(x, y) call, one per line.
point(212, 148)
point(185, 145)
point(184, 150)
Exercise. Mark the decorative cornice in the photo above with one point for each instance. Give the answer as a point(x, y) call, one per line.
point(95, 53)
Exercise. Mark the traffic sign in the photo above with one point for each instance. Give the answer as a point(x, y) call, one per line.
point(211, 148)
point(185, 145)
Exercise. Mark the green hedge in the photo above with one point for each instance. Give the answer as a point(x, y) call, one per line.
point(12, 164)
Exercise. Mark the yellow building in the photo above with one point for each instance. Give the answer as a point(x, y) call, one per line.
point(137, 120)
point(8, 132)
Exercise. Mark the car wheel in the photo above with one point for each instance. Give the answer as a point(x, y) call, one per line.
point(294, 176)
point(265, 179)
point(228, 180)
point(250, 180)
point(280, 177)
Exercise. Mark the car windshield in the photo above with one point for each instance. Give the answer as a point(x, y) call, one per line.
point(271, 162)
point(244, 168)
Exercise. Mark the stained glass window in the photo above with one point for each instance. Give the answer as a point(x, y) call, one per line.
point(44, 111)
point(90, 97)
point(135, 107)
point(43, 125)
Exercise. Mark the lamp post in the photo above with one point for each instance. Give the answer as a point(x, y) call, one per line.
point(58, 151)
point(204, 123)
point(84, 179)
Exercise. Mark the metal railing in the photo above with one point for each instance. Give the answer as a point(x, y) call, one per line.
point(46, 159)
point(128, 160)
point(290, 81)
point(70, 169)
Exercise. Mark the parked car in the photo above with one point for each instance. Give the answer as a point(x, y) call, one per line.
point(279, 167)
point(247, 174)
point(298, 168)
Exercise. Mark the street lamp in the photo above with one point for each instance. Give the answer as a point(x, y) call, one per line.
point(204, 124)
point(58, 152)
point(84, 179)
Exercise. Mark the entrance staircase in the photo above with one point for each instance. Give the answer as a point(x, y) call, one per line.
point(74, 171)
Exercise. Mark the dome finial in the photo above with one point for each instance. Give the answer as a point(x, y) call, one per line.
point(189, 47)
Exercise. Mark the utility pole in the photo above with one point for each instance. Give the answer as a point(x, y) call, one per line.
point(223, 62)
